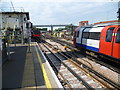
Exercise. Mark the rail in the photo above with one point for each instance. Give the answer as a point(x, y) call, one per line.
point(74, 73)
point(98, 60)
point(93, 71)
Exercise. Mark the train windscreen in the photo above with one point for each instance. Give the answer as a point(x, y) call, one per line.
point(36, 32)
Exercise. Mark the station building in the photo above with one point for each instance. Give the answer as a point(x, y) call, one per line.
point(15, 21)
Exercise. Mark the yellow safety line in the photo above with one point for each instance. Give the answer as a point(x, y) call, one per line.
point(48, 85)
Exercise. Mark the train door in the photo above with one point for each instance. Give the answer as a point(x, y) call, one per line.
point(106, 40)
point(79, 36)
point(116, 45)
point(74, 41)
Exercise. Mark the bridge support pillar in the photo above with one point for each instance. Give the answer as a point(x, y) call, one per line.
point(51, 29)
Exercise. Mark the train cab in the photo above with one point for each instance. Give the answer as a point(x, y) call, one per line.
point(36, 33)
point(110, 41)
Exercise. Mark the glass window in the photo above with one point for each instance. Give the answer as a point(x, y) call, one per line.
point(87, 29)
point(86, 35)
point(36, 32)
point(94, 35)
point(109, 34)
point(78, 34)
point(118, 36)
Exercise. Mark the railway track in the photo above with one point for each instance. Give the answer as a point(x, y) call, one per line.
point(71, 46)
point(89, 70)
point(71, 73)
point(114, 67)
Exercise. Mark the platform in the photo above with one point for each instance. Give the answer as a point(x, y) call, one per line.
point(28, 69)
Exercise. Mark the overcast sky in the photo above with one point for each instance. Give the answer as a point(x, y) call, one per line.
point(67, 11)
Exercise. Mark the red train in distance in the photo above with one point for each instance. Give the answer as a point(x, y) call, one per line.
point(36, 34)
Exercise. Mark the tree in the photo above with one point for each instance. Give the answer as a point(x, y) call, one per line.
point(70, 28)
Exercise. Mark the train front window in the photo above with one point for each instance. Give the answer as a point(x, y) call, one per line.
point(109, 34)
point(36, 32)
point(86, 33)
point(118, 36)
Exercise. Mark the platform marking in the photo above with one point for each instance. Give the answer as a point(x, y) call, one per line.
point(48, 85)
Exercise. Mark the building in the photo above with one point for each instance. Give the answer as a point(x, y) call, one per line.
point(15, 21)
point(11, 19)
point(83, 23)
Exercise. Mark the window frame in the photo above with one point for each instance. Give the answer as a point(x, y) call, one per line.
point(85, 37)
point(95, 35)
point(109, 38)
point(118, 36)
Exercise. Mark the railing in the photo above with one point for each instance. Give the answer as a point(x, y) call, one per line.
point(5, 39)
point(5, 42)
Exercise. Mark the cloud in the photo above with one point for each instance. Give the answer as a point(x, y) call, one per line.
point(67, 12)
point(62, 0)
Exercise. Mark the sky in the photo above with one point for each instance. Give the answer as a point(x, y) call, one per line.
point(66, 11)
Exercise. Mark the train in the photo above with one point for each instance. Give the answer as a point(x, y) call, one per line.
point(36, 34)
point(99, 40)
